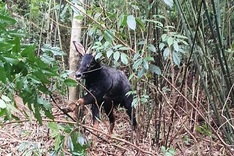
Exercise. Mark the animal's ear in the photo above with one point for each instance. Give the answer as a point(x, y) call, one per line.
point(79, 47)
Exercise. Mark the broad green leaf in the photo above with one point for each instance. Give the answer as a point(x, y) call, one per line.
point(29, 52)
point(108, 35)
point(140, 23)
point(56, 51)
point(136, 56)
point(43, 102)
point(131, 21)
point(155, 69)
point(176, 46)
point(70, 143)
point(47, 59)
point(161, 46)
point(4, 46)
point(41, 76)
point(149, 59)
point(57, 143)
point(122, 21)
point(116, 56)
point(152, 48)
point(98, 56)
point(117, 46)
point(169, 3)
point(164, 37)
point(2, 104)
point(37, 113)
point(48, 113)
point(124, 58)
point(54, 129)
point(176, 58)
point(70, 82)
point(141, 73)
point(3, 75)
point(145, 64)
point(134, 102)
point(16, 48)
point(109, 52)
point(170, 41)
point(5, 98)
point(137, 63)
point(7, 19)
point(11, 59)
point(166, 52)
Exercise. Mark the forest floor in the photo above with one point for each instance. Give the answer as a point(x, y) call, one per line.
point(27, 137)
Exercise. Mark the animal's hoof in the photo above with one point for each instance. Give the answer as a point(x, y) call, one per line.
point(80, 101)
point(66, 110)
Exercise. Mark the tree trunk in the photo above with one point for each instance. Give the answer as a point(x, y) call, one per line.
point(73, 57)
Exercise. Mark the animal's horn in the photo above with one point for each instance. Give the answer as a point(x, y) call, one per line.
point(79, 47)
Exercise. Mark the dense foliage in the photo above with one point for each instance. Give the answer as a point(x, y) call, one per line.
point(178, 56)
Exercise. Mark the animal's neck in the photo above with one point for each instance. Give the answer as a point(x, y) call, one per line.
point(94, 73)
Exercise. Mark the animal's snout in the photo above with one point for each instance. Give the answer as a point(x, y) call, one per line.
point(78, 75)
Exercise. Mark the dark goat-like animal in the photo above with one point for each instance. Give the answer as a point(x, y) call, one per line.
point(107, 87)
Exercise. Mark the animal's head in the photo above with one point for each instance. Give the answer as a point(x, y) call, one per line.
point(88, 63)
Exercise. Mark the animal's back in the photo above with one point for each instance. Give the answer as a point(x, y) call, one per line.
point(120, 84)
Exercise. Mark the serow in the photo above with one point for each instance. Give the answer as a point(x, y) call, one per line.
point(106, 87)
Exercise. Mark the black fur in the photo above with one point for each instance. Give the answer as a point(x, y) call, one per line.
point(109, 87)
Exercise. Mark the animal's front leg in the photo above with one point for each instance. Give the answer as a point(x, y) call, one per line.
point(95, 113)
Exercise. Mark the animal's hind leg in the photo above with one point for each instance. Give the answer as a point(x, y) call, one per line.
point(108, 107)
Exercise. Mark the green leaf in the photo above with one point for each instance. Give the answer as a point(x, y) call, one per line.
point(170, 41)
point(166, 52)
point(108, 35)
point(43, 102)
point(98, 55)
point(54, 129)
point(2, 104)
point(7, 19)
point(145, 64)
point(140, 23)
point(56, 51)
point(109, 52)
point(176, 58)
point(176, 46)
point(152, 48)
point(41, 76)
point(131, 21)
point(3, 75)
point(161, 46)
point(136, 56)
point(169, 3)
point(164, 37)
point(155, 69)
point(70, 143)
point(116, 56)
point(70, 82)
point(37, 113)
point(124, 58)
point(122, 21)
point(5, 98)
point(137, 63)
point(141, 73)
point(134, 102)
point(16, 48)
point(11, 59)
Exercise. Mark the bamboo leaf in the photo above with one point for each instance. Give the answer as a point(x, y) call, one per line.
point(131, 21)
